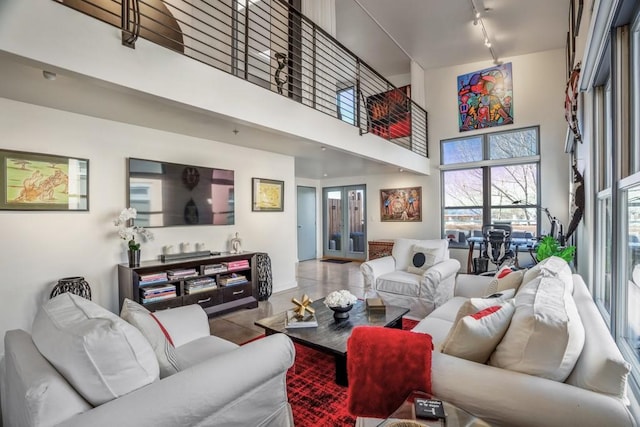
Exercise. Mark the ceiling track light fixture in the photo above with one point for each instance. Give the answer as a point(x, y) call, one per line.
point(477, 19)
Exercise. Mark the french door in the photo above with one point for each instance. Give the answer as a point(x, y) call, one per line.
point(344, 222)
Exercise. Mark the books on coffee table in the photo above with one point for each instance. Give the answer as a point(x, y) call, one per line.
point(308, 321)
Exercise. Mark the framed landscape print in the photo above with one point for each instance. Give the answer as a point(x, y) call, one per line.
point(401, 204)
point(43, 182)
point(267, 195)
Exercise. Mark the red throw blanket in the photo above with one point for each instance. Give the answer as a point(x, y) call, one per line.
point(384, 365)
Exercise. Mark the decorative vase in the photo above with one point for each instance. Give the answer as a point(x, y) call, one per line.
point(134, 258)
point(75, 285)
point(341, 313)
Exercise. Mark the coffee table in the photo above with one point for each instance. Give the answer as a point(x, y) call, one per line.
point(331, 335)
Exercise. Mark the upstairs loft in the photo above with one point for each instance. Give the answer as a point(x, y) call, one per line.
point(268, 44)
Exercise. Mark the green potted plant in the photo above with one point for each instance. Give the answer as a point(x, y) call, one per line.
point(549, 246)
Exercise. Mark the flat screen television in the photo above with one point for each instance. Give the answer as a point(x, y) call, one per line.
point(168, 194)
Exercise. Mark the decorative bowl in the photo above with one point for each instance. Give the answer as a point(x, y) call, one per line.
point(341, 312)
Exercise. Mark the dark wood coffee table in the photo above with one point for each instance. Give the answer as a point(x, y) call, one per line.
point(330, 336)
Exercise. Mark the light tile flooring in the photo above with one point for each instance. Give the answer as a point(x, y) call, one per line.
point(315, 278)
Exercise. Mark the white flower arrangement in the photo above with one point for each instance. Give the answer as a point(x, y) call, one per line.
point(341, 298)
point(128, 233)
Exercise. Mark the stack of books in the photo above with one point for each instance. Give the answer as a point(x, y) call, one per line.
point(155, 293)
point(214, 268)
point(375, 305)
point(182, 273)
point(307, 321)
point(193, 286)
point(149, 278)
point(233, 279)
point(238, 265)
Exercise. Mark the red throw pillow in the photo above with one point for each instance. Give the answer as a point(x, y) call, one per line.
point(384, 365)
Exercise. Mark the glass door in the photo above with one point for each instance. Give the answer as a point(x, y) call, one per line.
point(344, 222)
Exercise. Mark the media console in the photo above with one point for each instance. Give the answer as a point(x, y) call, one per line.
point(219, 283)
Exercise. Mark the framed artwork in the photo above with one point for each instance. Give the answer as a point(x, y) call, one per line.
point(389, 113)
point(401, 204)
point(485, 98)
point(43, 182)
point(267, 195)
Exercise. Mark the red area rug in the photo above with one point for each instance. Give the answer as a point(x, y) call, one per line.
point(313, 394)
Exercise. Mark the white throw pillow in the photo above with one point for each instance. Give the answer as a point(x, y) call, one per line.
point(402, 249)
point(504, 279)
point(102, 356)
point(551, 267)
point(546, 335)
point(422, 259)
point(474, 305)
point(155, 333)
point(475, 336)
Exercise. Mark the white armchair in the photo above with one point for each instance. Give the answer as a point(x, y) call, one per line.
point(418, 275)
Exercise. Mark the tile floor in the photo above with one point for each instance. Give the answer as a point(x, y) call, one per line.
point(315, 278)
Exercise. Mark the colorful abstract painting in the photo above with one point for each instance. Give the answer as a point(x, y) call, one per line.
point(485, 98)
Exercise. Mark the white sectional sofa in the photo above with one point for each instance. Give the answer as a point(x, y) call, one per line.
point(101, 371)
point(594, 394)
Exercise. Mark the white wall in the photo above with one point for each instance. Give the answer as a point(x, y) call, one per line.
point(539, 81)
point(38, 248)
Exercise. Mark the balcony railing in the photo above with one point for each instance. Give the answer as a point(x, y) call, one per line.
point(271, 44)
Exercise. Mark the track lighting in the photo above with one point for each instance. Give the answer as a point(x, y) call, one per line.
point(477, 19)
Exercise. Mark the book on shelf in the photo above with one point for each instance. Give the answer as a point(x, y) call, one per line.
point(160, 298)
point(200, 281)
point(233, 279)
point(307, 321)
point(181, 273)
point(158, 288)
point(153, 277)
point(214, 268)
point(161, 294)
point(191, 291)
point(238, 265)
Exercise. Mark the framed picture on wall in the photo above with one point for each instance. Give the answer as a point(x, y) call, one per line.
point(401, 204)
point(267, 195)
point(43, 182)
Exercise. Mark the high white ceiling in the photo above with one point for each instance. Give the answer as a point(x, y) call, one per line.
point(434, 33)
point(439, 33)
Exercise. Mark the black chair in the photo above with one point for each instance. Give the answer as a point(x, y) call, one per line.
point(497, 244)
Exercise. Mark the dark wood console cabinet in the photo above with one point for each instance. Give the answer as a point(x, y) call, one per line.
point(221, 300)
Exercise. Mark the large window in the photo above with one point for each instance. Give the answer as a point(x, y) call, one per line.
point(488, 179)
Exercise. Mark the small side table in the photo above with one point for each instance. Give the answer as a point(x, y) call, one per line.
point(380, 248)
point(456, 417)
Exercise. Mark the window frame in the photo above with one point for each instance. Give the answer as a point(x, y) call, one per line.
point(486, 164)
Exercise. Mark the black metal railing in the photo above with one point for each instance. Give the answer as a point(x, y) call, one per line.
point(271, 44)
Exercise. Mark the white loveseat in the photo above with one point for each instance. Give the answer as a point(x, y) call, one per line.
point(399, 281)
point(594, 394)
point(219, 383)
